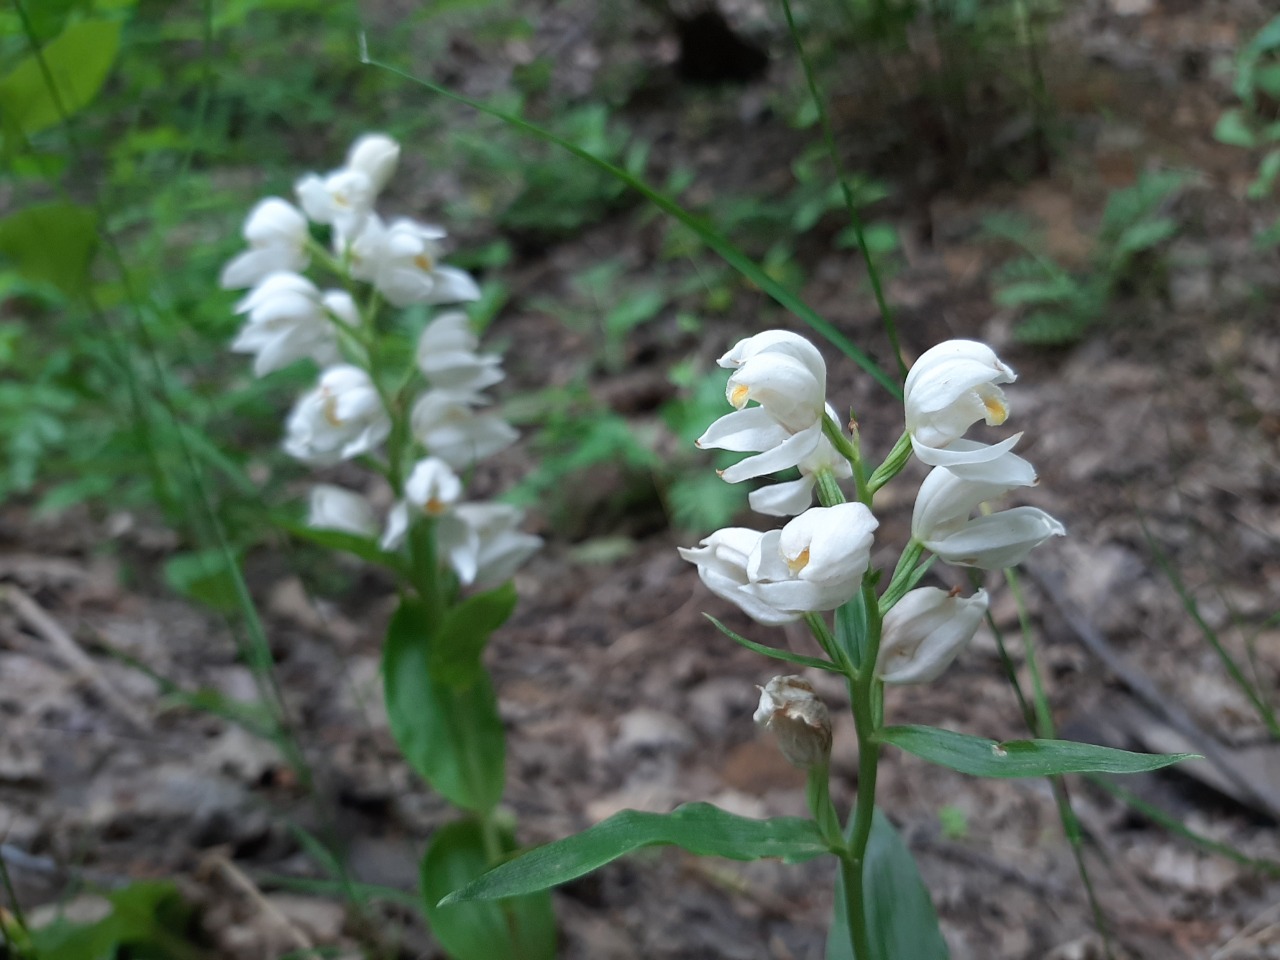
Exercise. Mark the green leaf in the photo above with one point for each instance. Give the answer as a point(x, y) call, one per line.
point(1052, 289)
point(1268, 170)
point(774, 652)
point(1144, 235)
point(145, 917)
point(462, 636)
point(699, 828)
point(366, 548)
point(205, 576)
point(51, 243)
point(851, 629)
point(78, 61)
point(520, 928)
point(451, 736)
point(901, 921)
point(1233, 129)
point(1020, 758)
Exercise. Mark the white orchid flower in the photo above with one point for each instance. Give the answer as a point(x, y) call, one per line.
point(794, 497)
point(340, 419)
point(450, 429)
point(375, 155)
point(289, 319)
point(784, 374)
point(941, 519)
point(484, 543)
point(403, 262)
point(432, 490)
point(815, 562)
point(951, 387)
point(336, 508)
point(926, 630)
point(277, 234)
point(721, 560)
point(447, 357)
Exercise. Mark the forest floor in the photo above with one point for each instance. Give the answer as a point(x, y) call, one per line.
point(1162, 426)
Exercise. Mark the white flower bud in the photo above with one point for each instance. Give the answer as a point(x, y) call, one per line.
point(403, 262)
point(432, 490)
point(924, 631)
point(800, 721)
point(336, 508)
point(447, 357)
point(450, 429)
point(721, 560)
point(375, 155)
point(276, 232)
point(287, 322)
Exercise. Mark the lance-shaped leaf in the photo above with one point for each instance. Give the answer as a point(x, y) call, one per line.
point(451, 735)
point(901, 921)
point(699, 828)
point(466, 628)
point(1020, 758)
point(520, 929)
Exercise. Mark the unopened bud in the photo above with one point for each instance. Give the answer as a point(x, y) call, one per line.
point(797, 718)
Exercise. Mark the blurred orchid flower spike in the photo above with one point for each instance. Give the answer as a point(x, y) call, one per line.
point(926, 630)
point(289, 319)
point(815, 562)
point(721, 560)
point(277, 234)
point(952, 386)
point(797, 718)
point(786, 377)
point(342, 418)
point(941, 519)
point(337, 508)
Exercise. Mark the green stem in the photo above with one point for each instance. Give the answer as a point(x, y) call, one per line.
point(818, 793)
point(827, 641)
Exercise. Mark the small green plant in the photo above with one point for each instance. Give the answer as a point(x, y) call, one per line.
point(1060, 306)
point(1255, 123)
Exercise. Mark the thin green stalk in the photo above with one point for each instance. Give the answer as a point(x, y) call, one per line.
point(892, 465)
point(855, 216)
point(818, 795)
point(822, 634)
point(730, 253)
point(844, 446)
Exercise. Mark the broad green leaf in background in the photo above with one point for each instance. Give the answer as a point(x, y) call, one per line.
point(1234, 130)
point(1020, 758)
point(700, 828)
point(78, 60)
point(204, 576)
point(451, 735)
point(521, 928)
point(901, 920)
point(147, 919)
point(51, 243)
point(461, 637)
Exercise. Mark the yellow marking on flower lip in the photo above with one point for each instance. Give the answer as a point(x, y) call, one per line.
point(330, 411)
point(433, 507)
point(738, 395)
point(796, 564)
point(997, 410)
point(424, 263)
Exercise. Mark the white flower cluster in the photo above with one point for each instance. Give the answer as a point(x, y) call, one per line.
point(347, 414)
point(816, 562)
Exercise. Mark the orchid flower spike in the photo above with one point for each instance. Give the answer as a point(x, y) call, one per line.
point(342, 418)
point(951, 387)
point(926, 630)
point(277, 234)
point(344, 197)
